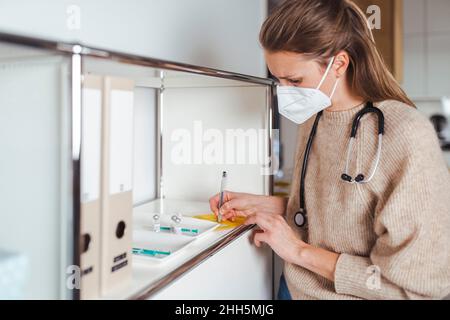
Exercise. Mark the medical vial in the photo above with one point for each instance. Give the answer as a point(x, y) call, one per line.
point(156, 223)
point(176, 226)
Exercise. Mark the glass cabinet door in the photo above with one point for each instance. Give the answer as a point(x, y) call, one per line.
point(36, 234)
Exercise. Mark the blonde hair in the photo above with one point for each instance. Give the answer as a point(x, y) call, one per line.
point(323, 28)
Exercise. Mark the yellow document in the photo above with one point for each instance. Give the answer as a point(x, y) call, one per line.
point(228, 224)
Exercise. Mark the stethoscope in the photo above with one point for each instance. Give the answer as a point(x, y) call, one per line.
point(300, 218)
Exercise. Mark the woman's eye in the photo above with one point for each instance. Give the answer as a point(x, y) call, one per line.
point(295, 81)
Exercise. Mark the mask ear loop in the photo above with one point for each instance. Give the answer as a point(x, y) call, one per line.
point(334, 88)
point(326, 73)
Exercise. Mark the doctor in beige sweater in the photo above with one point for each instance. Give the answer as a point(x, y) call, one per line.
point(386, 239)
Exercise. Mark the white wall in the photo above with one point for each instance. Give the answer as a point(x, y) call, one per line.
point(211, 111)
point(222, 33)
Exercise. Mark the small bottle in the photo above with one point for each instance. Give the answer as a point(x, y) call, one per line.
point(156, 223)
point(176, 227)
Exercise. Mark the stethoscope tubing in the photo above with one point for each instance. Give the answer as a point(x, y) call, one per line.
point(300, 218)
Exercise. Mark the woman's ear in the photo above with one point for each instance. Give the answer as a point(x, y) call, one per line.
point(341, 63)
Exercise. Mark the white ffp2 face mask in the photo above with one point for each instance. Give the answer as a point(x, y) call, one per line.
point(299, 104)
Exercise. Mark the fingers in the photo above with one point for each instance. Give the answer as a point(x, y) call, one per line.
point(234, 205)
point(270, 226)
point(233, 214)
point(230, 215)
point(214, 203)
point(264, 221)
point(233, 208)
point(259, 238)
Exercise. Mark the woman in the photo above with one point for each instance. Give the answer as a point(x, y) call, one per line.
point(385, 239)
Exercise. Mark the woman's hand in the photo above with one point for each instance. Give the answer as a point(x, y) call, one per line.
point(245, 204)
point(284, 241)
point(276, 232)
point(267, 212)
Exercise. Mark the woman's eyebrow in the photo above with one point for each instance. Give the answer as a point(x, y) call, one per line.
point(290, 77)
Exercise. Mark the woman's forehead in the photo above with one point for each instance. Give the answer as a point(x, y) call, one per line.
point(285, 64)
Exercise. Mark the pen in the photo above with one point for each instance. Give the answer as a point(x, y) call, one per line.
point(222, 187)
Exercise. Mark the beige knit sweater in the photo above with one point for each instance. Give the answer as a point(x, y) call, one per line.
point(393, 234)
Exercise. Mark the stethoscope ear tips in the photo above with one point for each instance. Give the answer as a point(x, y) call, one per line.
point(346, 177)
point(360, 178)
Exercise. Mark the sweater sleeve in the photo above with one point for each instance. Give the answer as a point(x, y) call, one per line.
point(410, 258)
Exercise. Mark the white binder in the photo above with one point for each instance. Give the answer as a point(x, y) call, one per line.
point(90, 187)
point(117, 173)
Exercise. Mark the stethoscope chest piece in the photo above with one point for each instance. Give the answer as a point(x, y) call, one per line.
point(300, 219)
